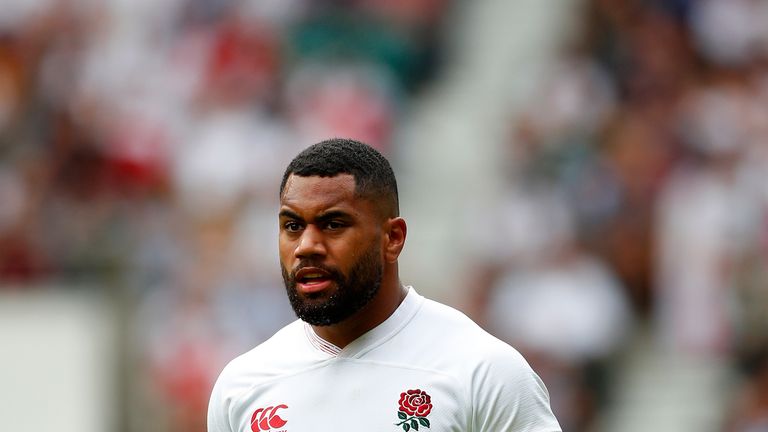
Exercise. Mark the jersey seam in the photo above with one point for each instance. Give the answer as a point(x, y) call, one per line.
point(400, 366)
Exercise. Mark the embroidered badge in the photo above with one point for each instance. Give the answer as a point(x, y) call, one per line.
point(415, 406)
point(264, 419)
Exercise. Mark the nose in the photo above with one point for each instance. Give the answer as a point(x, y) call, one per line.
point(310, 243)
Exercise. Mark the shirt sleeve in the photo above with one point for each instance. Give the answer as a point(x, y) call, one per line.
point(218, 418)
point(508, 396)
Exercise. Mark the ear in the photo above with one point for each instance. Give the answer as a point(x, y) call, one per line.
point(395, 232)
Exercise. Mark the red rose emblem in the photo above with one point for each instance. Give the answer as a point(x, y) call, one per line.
point(415, 403)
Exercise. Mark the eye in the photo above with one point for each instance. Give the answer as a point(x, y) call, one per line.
point(292, 226)
point(335, 225)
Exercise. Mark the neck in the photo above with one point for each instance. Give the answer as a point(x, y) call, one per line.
point(381, 307)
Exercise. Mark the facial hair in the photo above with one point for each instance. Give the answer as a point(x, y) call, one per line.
point(353, 291)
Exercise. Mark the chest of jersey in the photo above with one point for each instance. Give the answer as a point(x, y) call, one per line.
point(354, 395)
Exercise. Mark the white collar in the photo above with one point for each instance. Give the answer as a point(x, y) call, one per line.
point(373, 337)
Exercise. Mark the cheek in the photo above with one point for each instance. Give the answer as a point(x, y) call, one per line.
point(348, 252)
point(343, 252)
point(285, 250)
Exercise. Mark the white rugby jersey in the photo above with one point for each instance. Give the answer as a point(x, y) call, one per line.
point(426, 368)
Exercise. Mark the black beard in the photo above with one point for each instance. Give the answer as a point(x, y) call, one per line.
point(352, 292)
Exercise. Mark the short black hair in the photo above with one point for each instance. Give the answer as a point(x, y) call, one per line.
point(374, 178)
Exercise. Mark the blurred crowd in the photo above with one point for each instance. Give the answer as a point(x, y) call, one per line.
point(141, 148)
point(637, 196)
point(142, 144)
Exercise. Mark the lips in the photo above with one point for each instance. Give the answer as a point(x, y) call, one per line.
point(311, 280)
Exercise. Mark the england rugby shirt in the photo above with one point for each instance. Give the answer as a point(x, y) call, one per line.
point(426, 368)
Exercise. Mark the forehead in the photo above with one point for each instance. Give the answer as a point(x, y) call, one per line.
point(315, 193)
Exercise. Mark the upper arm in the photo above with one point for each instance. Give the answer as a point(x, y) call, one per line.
point(508, 396)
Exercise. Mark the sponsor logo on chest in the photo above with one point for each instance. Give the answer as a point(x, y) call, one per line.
point(267, 419)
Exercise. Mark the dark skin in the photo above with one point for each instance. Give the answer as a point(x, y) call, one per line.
point(323, 219)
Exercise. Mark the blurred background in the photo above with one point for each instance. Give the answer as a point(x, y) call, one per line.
point(585, 178)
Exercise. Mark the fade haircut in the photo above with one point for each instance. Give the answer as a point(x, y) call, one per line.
point(374, 178)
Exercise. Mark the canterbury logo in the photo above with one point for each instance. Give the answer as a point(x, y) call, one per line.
point(264, 419)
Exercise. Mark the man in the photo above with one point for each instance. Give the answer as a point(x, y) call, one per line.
point(367, 354)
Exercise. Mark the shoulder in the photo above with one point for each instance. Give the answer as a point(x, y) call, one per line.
point(260, 365)
point(472, 350)
point(505, 392)
point(266, 360)
point(452, 330)
point(441, 338)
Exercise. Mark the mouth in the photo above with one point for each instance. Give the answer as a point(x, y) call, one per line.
point(310, 280)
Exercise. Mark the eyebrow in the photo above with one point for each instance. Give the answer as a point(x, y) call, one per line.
point(289, 214)
point(333, 214)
